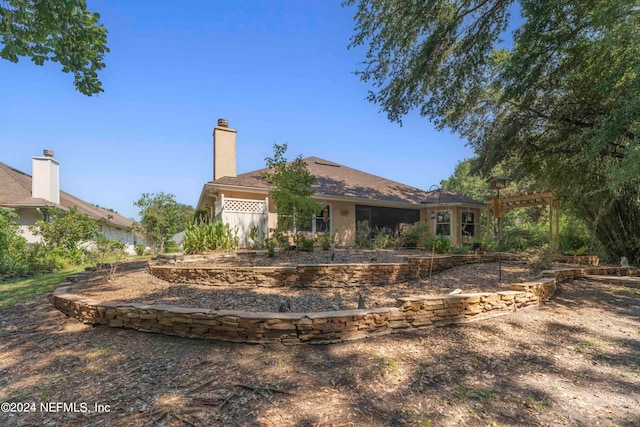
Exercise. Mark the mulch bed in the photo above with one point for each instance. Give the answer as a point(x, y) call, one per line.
point(137, 285)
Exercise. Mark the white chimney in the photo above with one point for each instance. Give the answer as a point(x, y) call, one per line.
point(224, 150)
point(45, 182)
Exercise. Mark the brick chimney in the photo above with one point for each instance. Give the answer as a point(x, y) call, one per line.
point(224, 150)
point(45, 182)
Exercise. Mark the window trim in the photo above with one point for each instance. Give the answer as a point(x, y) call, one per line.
point(448, 223)
point(464, 224)
point(313, 222)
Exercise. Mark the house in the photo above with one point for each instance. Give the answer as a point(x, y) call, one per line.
point(350, 196)
point(29, 196)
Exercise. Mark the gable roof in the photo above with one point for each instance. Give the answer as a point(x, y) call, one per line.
point(333, 179)
point(15, 192)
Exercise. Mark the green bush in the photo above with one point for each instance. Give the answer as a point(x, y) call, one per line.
point(170, 246)
point(13, 247)
point(325, 241)
point(213, 236)
point(415, 235)
point(69, 232)
point(382, 239)
point(461, 250)
point(574, 236)
point(140, 249)
point(442, 245)
point(305, 244)
point(42, 259)
point(363, 235)
point(282, 240)
point(257, 237)
point(271, 246)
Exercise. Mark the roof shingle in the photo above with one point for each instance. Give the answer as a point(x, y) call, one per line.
point(333, 179)
point(15, 191)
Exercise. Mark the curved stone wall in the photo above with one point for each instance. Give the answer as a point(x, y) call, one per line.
point(317, 275)
point(320, 327)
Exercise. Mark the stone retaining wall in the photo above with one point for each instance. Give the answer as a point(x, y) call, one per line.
point(317, 275)
point(322, 327)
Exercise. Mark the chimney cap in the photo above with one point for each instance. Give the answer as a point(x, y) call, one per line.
point(224, 123)
point(47, 153)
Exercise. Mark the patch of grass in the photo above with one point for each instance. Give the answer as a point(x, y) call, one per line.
point(23, 290)
point(539, 403)
point(592, 349)
point(386, 364)
point(483, 395)
point(629, 291)
point(460, 395)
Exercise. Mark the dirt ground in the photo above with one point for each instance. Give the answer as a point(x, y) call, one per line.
point(574, 361)
point(137, 285)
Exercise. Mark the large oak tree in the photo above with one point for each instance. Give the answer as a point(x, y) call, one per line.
point(62, 31)
point(558, 100)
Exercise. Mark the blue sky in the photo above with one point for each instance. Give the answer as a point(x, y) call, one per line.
point(279, 71)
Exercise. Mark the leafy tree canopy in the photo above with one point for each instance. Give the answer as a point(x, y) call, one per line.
point(160, 217)
point(293, 190)
point(560, 106)
point(66, 229)
point(63, 31)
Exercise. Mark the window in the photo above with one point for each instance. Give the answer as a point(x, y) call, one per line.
point(468, 221)
point(320, 224)
point(323, 221)
point(443, 223)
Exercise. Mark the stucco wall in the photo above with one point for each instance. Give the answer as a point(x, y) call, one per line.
point(27, 217)
point(344, 221)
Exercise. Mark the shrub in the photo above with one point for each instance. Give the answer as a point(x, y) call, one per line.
point(325, 241)
point(257, 237)
point(461, 250)
point(13, 247)
point(69, 232)
point(305, 244)
point(542, 257)
point(282, 240)
point(442, 245)
point(106, 256)
point(363, 235)
point(140, 249)
point(42, 259)
point(170, 246)
point(381, 239)
point(271, 246)
point(214, 236)
point(415, 235)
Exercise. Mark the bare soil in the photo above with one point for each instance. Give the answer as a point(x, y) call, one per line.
point(574, 361)
point(137, 285)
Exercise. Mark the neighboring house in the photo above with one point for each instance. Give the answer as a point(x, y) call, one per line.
point(350, 196)
point(30, 196)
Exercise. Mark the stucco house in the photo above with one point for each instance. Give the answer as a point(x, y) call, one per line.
point(29, 196)
point(350, 196)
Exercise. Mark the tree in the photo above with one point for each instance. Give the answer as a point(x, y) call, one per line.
point(63, 31)
point(13, 246)
point(293, 190)
point(68, 231)
point(561, 106)
point(160, 218)
point(463, 182)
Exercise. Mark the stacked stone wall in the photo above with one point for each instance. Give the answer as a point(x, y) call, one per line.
point(414, 312)
point(316, 275)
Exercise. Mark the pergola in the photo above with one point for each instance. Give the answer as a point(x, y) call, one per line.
point(525, 200)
